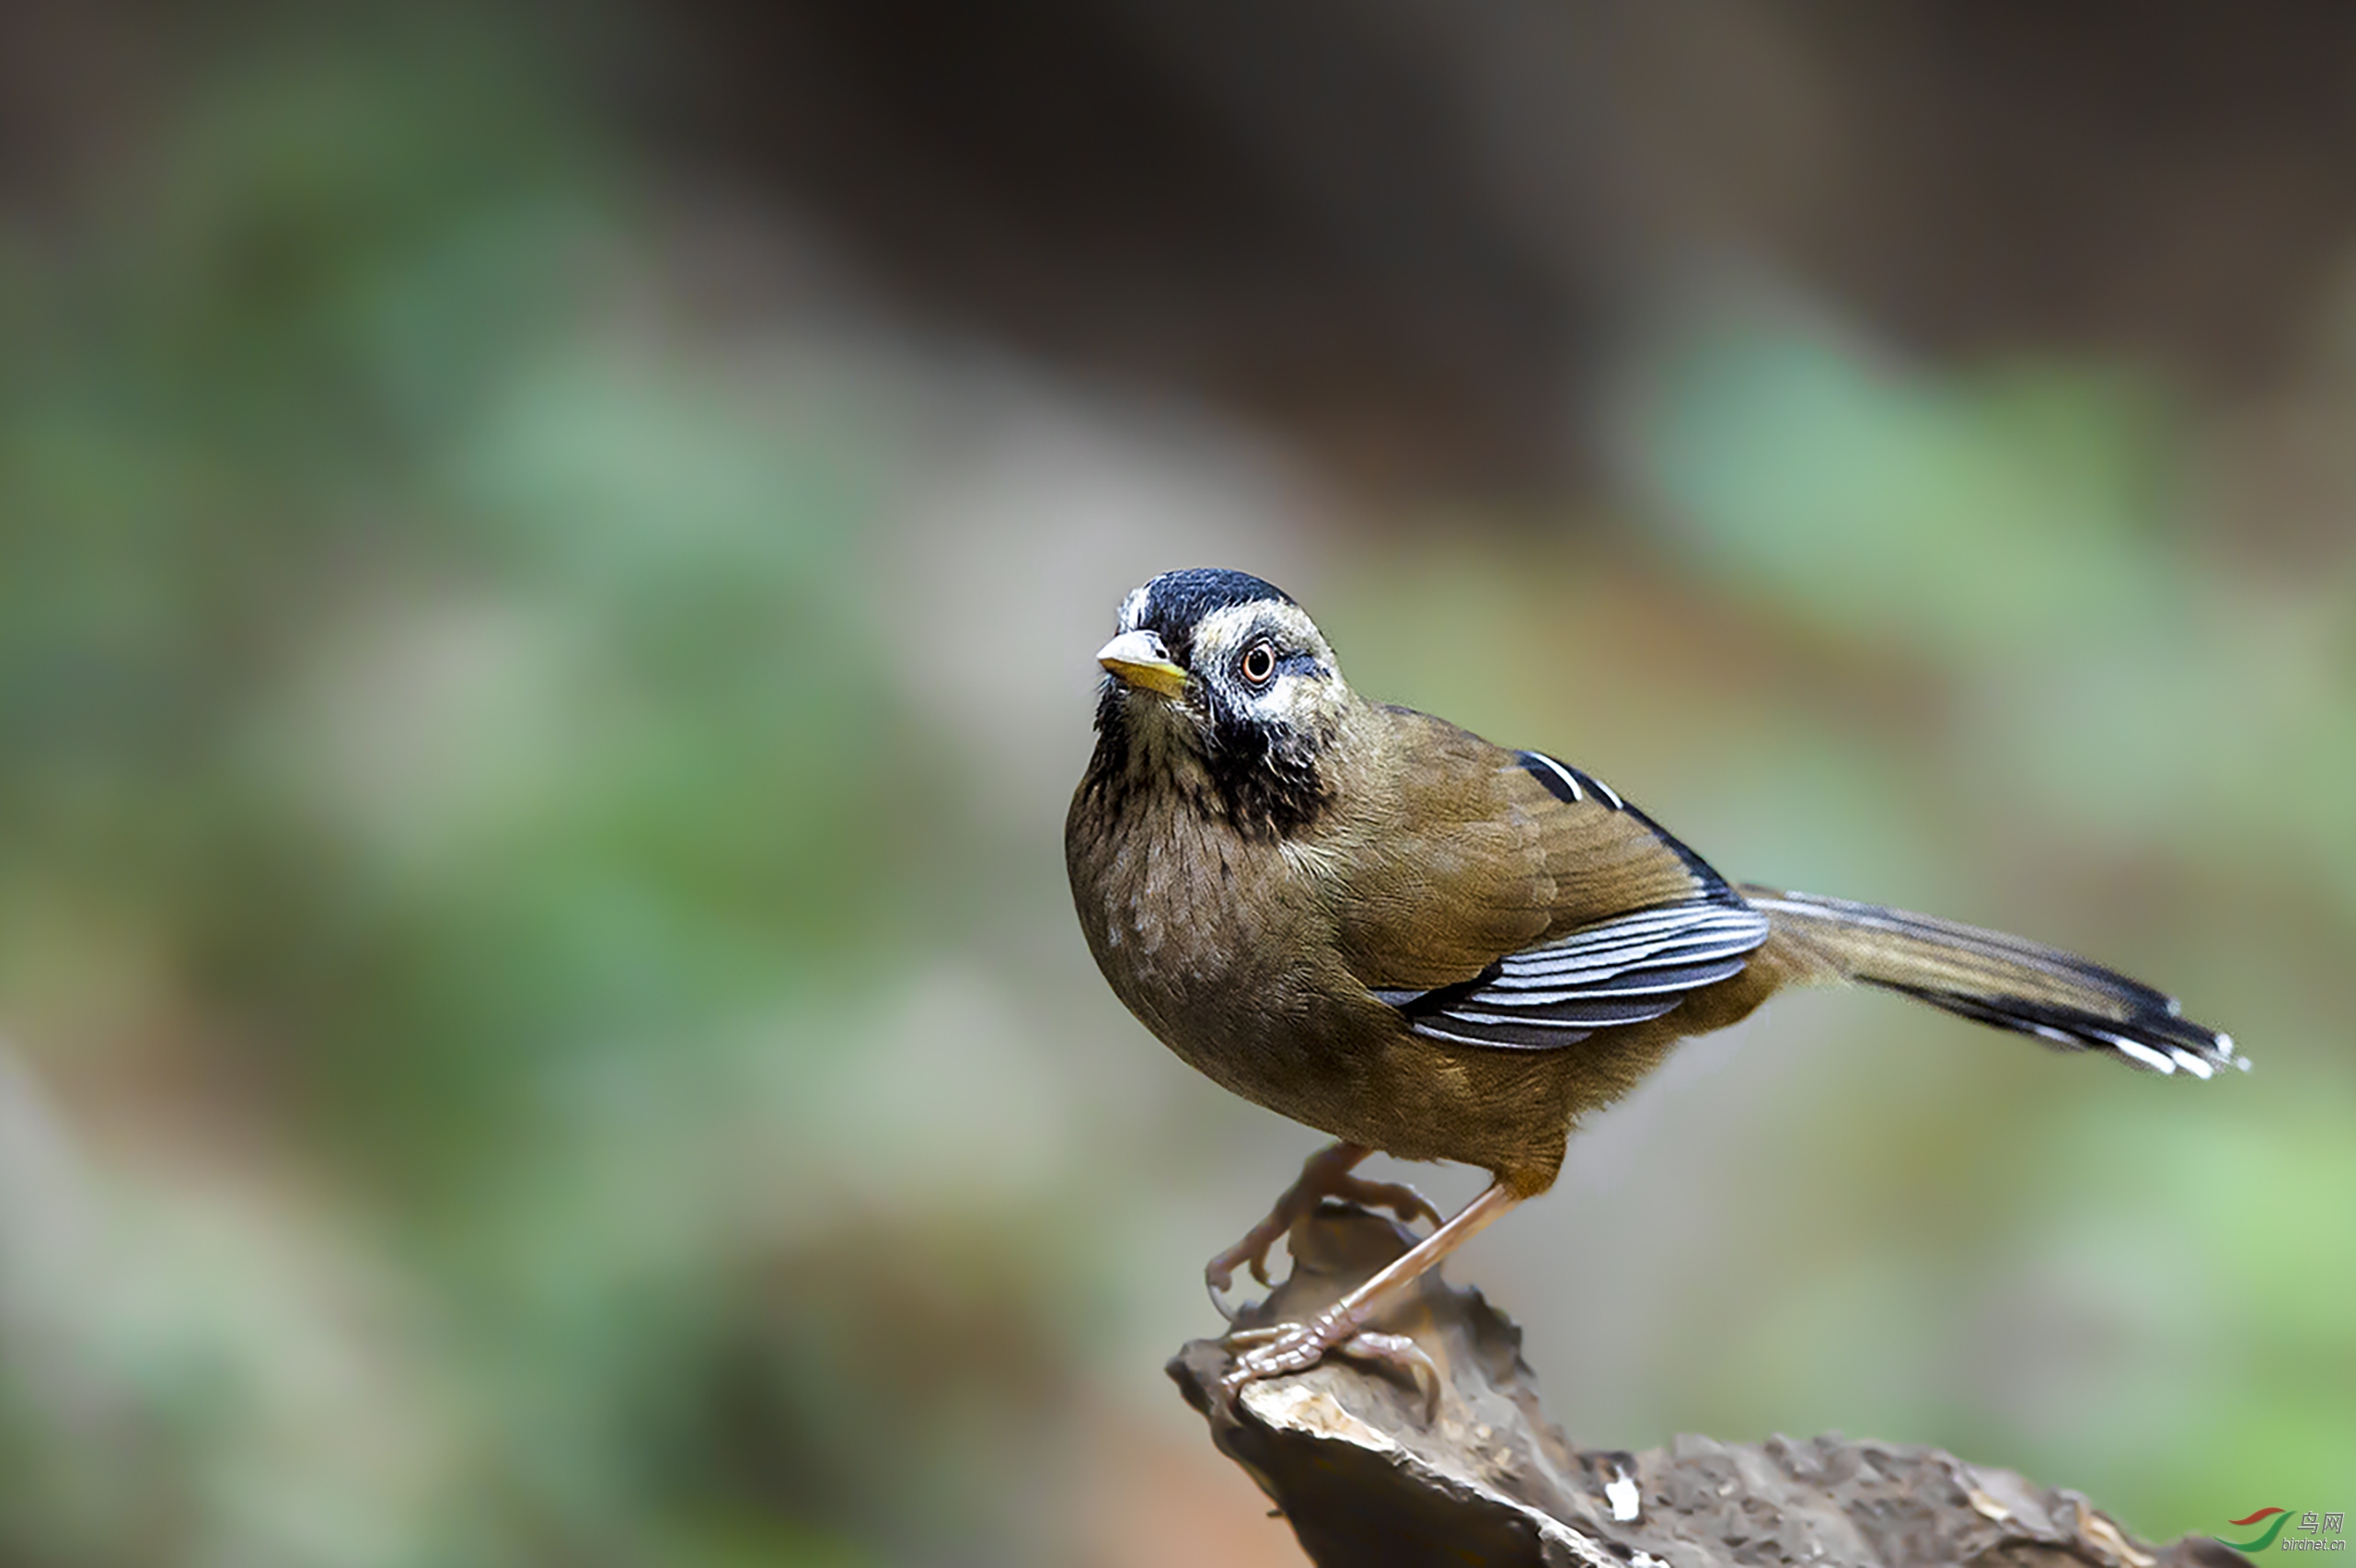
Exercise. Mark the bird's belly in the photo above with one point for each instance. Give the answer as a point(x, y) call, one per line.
point(1226, 957)
point(1223, 1000)
point(1284, 1039)
point(1216, 947)
point(1366, 1078)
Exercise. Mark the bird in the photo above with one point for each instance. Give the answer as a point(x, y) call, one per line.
point(1384, 926)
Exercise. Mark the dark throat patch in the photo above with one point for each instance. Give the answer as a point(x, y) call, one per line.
point(1268, 777)
point(1266, 783)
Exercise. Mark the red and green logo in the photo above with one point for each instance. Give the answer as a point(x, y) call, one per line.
point(2261, 1541)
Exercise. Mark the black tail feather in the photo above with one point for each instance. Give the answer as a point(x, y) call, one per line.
point(2054, 996)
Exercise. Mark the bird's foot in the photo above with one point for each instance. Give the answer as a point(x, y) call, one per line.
point(1285, 1348)
point(1326, 1175)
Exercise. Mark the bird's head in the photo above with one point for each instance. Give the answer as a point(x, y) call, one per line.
point(1222, 670)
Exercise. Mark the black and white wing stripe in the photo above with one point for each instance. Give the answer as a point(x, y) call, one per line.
point(1629, 969)
point(1565, 783)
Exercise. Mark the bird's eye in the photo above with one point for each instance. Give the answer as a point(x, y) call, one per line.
point(1259, 663)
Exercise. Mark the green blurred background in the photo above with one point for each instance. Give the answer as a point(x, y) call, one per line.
point(547, 561)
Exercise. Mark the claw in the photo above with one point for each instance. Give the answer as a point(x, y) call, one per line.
point(1397, 1353)
point(1397, 1196)
point(1220, 1273)
point(1325, 1174)
point(1275, 1351)
point(1284, 1348)
point(1251, 1251)
point(1295, 1347)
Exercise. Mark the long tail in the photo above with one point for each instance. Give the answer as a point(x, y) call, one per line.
point(2056, 996)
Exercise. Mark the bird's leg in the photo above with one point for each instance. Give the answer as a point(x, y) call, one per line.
point(1325, 1174)
point(1295, 1347)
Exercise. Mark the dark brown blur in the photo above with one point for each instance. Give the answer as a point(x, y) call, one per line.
point(549, 557)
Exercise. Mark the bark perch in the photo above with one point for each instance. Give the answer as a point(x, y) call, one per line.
point(1348, 1454)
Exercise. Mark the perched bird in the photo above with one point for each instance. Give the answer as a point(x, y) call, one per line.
point(1387, 928)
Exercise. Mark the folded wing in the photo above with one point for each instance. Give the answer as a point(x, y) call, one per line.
point(1533, 906)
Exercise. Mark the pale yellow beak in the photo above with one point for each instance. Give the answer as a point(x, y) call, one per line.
point(1138, 659)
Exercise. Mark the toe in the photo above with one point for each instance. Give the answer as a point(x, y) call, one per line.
point(1402, 1200)
point(1398, 1354)
point(1245, 1339)
point(1272, 1351)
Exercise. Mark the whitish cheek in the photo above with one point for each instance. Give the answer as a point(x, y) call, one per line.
point(1295, 696)
point(1274, 705)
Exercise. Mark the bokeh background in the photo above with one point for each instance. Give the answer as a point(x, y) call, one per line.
point(548, 562)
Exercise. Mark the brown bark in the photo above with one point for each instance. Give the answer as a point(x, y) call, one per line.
point(1368, 1480)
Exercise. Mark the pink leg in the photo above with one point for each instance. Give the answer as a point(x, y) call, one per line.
point(1295, 1347)
point(1325, 1174)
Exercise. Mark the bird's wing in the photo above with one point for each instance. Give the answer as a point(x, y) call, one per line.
point(1516, 902)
